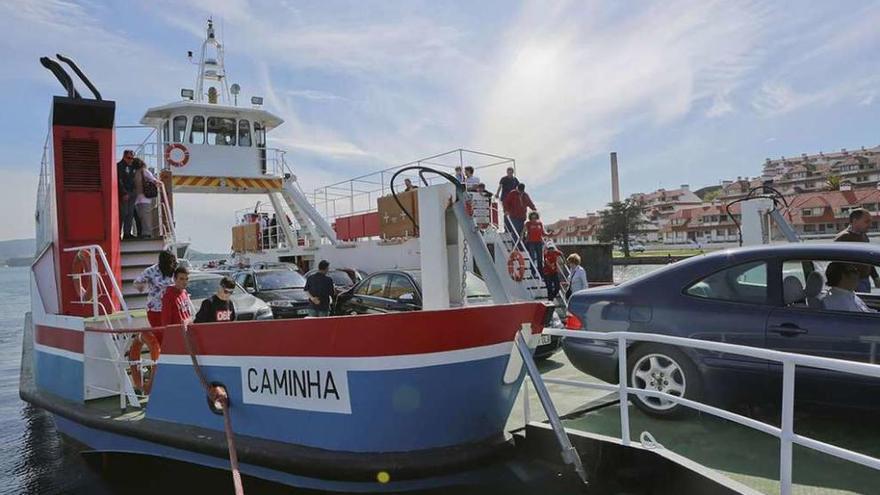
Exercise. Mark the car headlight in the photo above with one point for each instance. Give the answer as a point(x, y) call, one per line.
point(279, 304)
point(264, 314)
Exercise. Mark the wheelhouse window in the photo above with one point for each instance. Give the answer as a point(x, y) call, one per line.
point(179, 128)
point(221, 131)
point(197, 133)
point(745, 283)
point(259, 135)
point(244, 133)
point(166, 132)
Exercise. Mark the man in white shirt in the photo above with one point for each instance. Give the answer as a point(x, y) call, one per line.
point(843, 279)
point(470, 180)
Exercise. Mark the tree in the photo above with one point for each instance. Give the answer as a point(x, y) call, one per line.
point(619, 220)
point(832, 183)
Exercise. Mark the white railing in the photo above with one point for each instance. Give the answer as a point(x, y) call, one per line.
point(785, 433)
point(115, 342)
point(96, 281)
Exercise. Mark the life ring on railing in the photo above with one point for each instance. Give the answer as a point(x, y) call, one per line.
point(143, 381)
point(516, 266)
point(82, 268)
point(180, 155)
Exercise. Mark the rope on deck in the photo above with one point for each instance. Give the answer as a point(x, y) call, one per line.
point(219, 399)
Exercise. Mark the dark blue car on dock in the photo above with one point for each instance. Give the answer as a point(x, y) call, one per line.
point(766, 296)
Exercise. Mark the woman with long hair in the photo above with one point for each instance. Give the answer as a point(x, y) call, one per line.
point(144, 198)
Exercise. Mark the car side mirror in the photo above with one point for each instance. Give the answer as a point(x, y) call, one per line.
point(407, 297)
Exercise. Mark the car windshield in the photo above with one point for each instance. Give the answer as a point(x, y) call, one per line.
point(203, 287)
point(280, 279)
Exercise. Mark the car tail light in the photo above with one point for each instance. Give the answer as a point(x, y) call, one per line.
point(572, 322)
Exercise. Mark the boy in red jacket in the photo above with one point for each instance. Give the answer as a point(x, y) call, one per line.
point(176, 305)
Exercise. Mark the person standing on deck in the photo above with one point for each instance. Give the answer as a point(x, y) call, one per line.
point(551, 271)
point(177, 307)
point(218, 307)
point(320, 289)
point(470, 180)
point(144, 203)
point(577, 279)
point(125, 188)
point(857, 231)
point(409, 186)
point(155, 279)
point(507, 184)
point(516, 204)
point(459, 175)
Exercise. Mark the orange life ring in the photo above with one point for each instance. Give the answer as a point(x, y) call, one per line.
point(516, 266)
point(141, 382)
point(175, 162)
point(80, 268)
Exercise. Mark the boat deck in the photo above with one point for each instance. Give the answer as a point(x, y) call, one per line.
point(744, 455)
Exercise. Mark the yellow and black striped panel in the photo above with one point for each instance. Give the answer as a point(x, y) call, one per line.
point(192, 181)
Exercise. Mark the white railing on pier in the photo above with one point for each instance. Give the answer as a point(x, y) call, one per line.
point(785, 433)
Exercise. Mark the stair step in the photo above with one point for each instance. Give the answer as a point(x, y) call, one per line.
point(136, 302)
point(142, 245)
point(143, 259)
point(131, 272)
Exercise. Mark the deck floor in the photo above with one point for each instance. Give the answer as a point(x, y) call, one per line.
point(743, 454)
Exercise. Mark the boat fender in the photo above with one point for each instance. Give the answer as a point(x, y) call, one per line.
point(181, 158)
point(516, 266)
point(144, 383)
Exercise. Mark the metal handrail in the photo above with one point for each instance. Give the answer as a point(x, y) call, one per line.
point(789, 362)
point(166, 216)
point(95, 274)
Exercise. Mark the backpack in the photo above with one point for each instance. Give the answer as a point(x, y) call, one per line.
point(151, 190)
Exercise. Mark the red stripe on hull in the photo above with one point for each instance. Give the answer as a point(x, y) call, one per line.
point(417, 332)
point(60, 338)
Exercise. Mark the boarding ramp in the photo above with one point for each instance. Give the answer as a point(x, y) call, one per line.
point(784, 431)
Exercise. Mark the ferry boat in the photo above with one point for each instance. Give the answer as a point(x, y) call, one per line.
point(316, 402)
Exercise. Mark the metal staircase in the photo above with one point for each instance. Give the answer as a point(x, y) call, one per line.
point(533, 282)
point(137, 256)
point(313, 224)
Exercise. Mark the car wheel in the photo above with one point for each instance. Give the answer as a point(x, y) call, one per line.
point(663, 369)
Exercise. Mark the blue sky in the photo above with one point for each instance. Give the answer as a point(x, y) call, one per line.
point(685, 91)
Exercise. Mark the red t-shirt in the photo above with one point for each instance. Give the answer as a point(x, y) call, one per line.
point(176, 306)
point(534, 231)
point(550, 257)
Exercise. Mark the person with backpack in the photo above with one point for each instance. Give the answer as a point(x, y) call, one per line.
point(125, 190)
point(146, 188)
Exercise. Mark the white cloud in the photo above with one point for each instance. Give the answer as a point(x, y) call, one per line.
point(567, 84)
point(720, 106)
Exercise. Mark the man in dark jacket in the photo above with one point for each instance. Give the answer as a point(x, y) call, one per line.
point(125, 171)
point(218, 307)
point(320, 289)
point(859, 224)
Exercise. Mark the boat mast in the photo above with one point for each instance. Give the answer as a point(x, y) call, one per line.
point(212, 68)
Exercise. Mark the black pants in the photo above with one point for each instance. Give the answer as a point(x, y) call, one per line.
point(552, 282)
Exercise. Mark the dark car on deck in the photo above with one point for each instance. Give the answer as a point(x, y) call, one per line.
point(401, 290)
point(203, 285)
point(767, 296)
point(281, 288)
